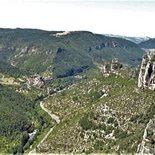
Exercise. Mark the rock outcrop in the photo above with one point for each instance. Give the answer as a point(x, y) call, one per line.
point(115, 64)
point(36, 80)
point(111, 67)
point(146, 79)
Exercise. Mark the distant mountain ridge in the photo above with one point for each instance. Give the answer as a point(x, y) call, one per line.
point(63, 53)
point(148, 44)
point(136, 40)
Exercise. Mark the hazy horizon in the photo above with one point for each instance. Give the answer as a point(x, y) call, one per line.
point(117, 17)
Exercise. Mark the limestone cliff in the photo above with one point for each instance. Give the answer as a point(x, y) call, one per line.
point(146, 79)
point(148, 141)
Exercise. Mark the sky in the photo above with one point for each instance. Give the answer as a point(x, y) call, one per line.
point(118, 17)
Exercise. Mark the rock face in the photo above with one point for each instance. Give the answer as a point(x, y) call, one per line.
point(111, 44)
point(146, 79)
point(148, 141)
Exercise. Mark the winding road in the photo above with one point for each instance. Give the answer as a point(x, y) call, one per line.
point(55, 118)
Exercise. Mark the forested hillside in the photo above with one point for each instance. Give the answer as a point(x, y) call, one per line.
point(63, 53)
point(22, 121)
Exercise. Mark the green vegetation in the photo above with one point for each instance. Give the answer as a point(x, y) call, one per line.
point(7, 69)
point(15, 114)
point(99, 113)
point(93, 122)
point(85, 123)
point(20, 116)
point(41, 51)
